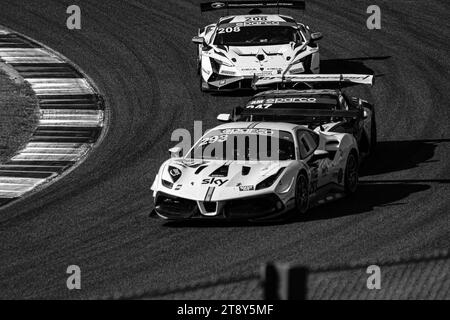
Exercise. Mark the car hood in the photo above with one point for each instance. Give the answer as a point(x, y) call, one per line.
point(228, 179)
point(261, 60)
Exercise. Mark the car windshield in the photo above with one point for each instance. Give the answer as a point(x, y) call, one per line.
point(244, 144)
point(256, 35)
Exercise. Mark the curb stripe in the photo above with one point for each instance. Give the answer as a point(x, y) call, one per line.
point(71, 116)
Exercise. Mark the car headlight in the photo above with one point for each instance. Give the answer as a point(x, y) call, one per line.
point(223, 62)
point(174, 173)
point(266, 183)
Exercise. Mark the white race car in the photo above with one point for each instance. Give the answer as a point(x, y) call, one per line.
point(256, 170)
point(238, 48)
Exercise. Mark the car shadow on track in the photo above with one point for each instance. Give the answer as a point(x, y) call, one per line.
point(235, 93)
point(368, 196)
point(348, 65)
point(391, 156)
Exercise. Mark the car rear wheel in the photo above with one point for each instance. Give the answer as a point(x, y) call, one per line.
point(373, 133)
point(301, 194)
point(351, 173)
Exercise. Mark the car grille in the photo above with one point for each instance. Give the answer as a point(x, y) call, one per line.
point(170, 205)
point(253, 207)
point(210, 206)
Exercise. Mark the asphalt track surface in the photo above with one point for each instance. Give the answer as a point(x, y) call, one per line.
point(139, 54)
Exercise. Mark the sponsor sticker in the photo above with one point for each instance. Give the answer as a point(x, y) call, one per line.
point(214, 181)
point(267, 132)
point(264, 73)
point(257, 23)
point(284, 100)
point(247, 188)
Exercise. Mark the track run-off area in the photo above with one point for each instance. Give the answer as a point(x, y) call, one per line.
point(139, 54)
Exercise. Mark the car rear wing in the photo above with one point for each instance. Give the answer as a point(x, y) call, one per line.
point(227, 5)
point(304, 113)
point(311, 78)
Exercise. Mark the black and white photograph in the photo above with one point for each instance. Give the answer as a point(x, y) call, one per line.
point(218, 157)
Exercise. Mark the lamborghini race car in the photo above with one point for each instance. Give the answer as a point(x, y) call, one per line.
point(254, 171)
point(237, 48)
point(326, 110)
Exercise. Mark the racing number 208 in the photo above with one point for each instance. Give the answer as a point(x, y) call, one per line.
point(229, 30)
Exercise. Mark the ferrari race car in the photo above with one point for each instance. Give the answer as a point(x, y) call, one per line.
point(254, 171)
point(237, 48)
point(326, 110)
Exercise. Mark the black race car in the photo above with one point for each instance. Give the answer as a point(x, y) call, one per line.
point(325, 110)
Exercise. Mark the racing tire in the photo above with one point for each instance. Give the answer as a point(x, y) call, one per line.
point(351, 174)
point(301, 194)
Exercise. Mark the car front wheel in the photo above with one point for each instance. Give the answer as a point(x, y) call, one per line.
point(302, 194)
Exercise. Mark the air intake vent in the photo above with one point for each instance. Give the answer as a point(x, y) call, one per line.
point(210, 206)
point(199, 169)
point(220, 172)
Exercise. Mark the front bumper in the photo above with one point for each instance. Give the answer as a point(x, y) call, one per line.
point(219, 79)
point(250, 208)
point(221, 82)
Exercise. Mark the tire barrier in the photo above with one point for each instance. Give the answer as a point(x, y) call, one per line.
point(71, 116)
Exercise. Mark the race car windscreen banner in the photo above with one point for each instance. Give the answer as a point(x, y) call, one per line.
point(226, 5)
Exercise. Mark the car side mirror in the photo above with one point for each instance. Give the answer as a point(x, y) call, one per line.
point(224, 117)
point(199, 40)
point(319, 155)
point(316, 36)
point(365, 114)
point(175, 152)
point(238, 110)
